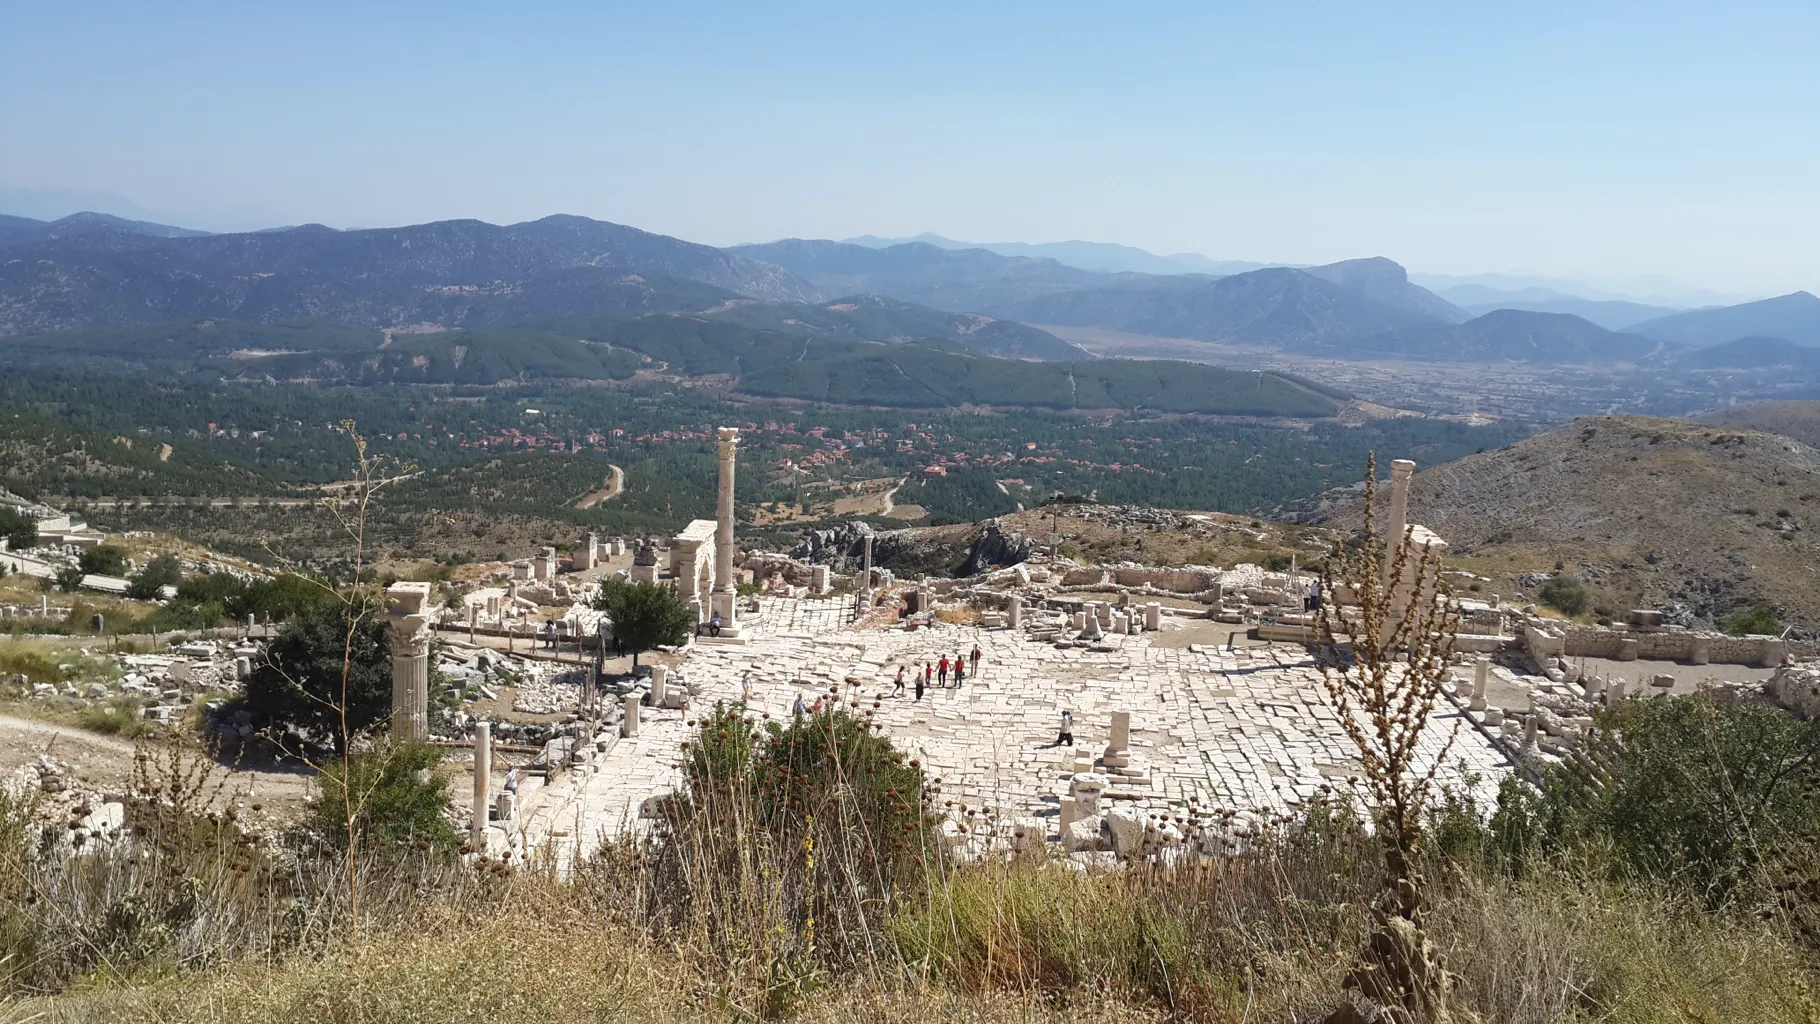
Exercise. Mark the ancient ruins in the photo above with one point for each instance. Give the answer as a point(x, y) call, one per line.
point(1190, 688)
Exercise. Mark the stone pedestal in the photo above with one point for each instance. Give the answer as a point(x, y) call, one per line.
point(1014, 612)
point(408, 629)
point(1627, 650)
point(820, 580)
point(483, 776)
point(1118, 750)
point(1085, 789)
point(628, 723)
point(587, 554)
point(1067, 815)
point(1153, 616)
point(660, 684)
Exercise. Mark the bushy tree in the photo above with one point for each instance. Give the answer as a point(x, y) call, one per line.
point(19, 529)
point(399, 796)
point(162, 571)
point(104, 560)
point(645, 615)
point(298, 684)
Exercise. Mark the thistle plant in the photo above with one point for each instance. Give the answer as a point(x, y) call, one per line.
point(1384, 638)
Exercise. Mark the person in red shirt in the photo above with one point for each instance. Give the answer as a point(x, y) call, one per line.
point(941, 670)
point(976, 659)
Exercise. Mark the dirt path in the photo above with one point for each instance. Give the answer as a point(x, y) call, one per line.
point(615, 484)
point(106, 763)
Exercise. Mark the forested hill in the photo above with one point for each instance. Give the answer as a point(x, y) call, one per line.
point(453, 273)
point(756, 361)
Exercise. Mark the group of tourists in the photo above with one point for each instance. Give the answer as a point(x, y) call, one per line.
point(940, 673)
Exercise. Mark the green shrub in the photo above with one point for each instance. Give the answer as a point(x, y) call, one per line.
point(1721, 797)
point(162, 571)
point(398, 794)
point(1760, 619)
point(121, 716)
point(104, 560)
point(1566, 594)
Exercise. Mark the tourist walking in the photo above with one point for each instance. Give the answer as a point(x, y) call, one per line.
point(1067, 733)
point(941, 670)
point(796, 709)
point(960, 673)
point(921, 678)
point(898, 686)
point(976, 659)
point(745, 687)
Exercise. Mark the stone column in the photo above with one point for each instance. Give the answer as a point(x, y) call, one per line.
point(408, 625)
point(726, 587)
point(865, 567)
point(1400, 472)
point(483, 778)
point(1014, 615)
point(1481, 676)
point(660, 684)
point(1153, 616)
point(628, 723)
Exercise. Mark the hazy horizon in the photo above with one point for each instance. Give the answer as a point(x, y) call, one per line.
point(1546, 142)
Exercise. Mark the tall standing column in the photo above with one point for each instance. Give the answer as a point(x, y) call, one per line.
point(726, 586)
point(483, 779)
point(408, 624)
point(1400, 471)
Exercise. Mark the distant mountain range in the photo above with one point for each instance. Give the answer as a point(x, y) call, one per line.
point(95, 270)
point(1103, 257)
point(452, 272)
point(1611, 314)
point(22, 229)
point(1793, 317)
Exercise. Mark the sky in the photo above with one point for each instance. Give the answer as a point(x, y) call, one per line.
point(1603, 140)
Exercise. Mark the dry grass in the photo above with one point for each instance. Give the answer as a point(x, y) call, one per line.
point(742, 926)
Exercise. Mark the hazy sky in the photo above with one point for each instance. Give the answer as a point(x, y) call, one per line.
point(1605, 138)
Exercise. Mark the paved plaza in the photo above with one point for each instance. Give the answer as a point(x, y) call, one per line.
point(1241, 729)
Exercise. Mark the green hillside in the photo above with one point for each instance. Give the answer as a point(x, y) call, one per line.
point(795, 364)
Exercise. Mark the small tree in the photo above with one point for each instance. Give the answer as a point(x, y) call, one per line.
point(104, 560)
point(19, 529)
point(645, 615)
point(162, 571)
point(1384, 661)
point(300, 683)
point(69, 578)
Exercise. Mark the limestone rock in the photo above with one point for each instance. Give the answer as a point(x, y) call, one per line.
point(1085, 834)
point(1796, 688)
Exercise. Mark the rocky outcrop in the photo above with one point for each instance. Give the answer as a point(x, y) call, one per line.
point(939, 551)
point(1797, 689)
point(996, 548)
